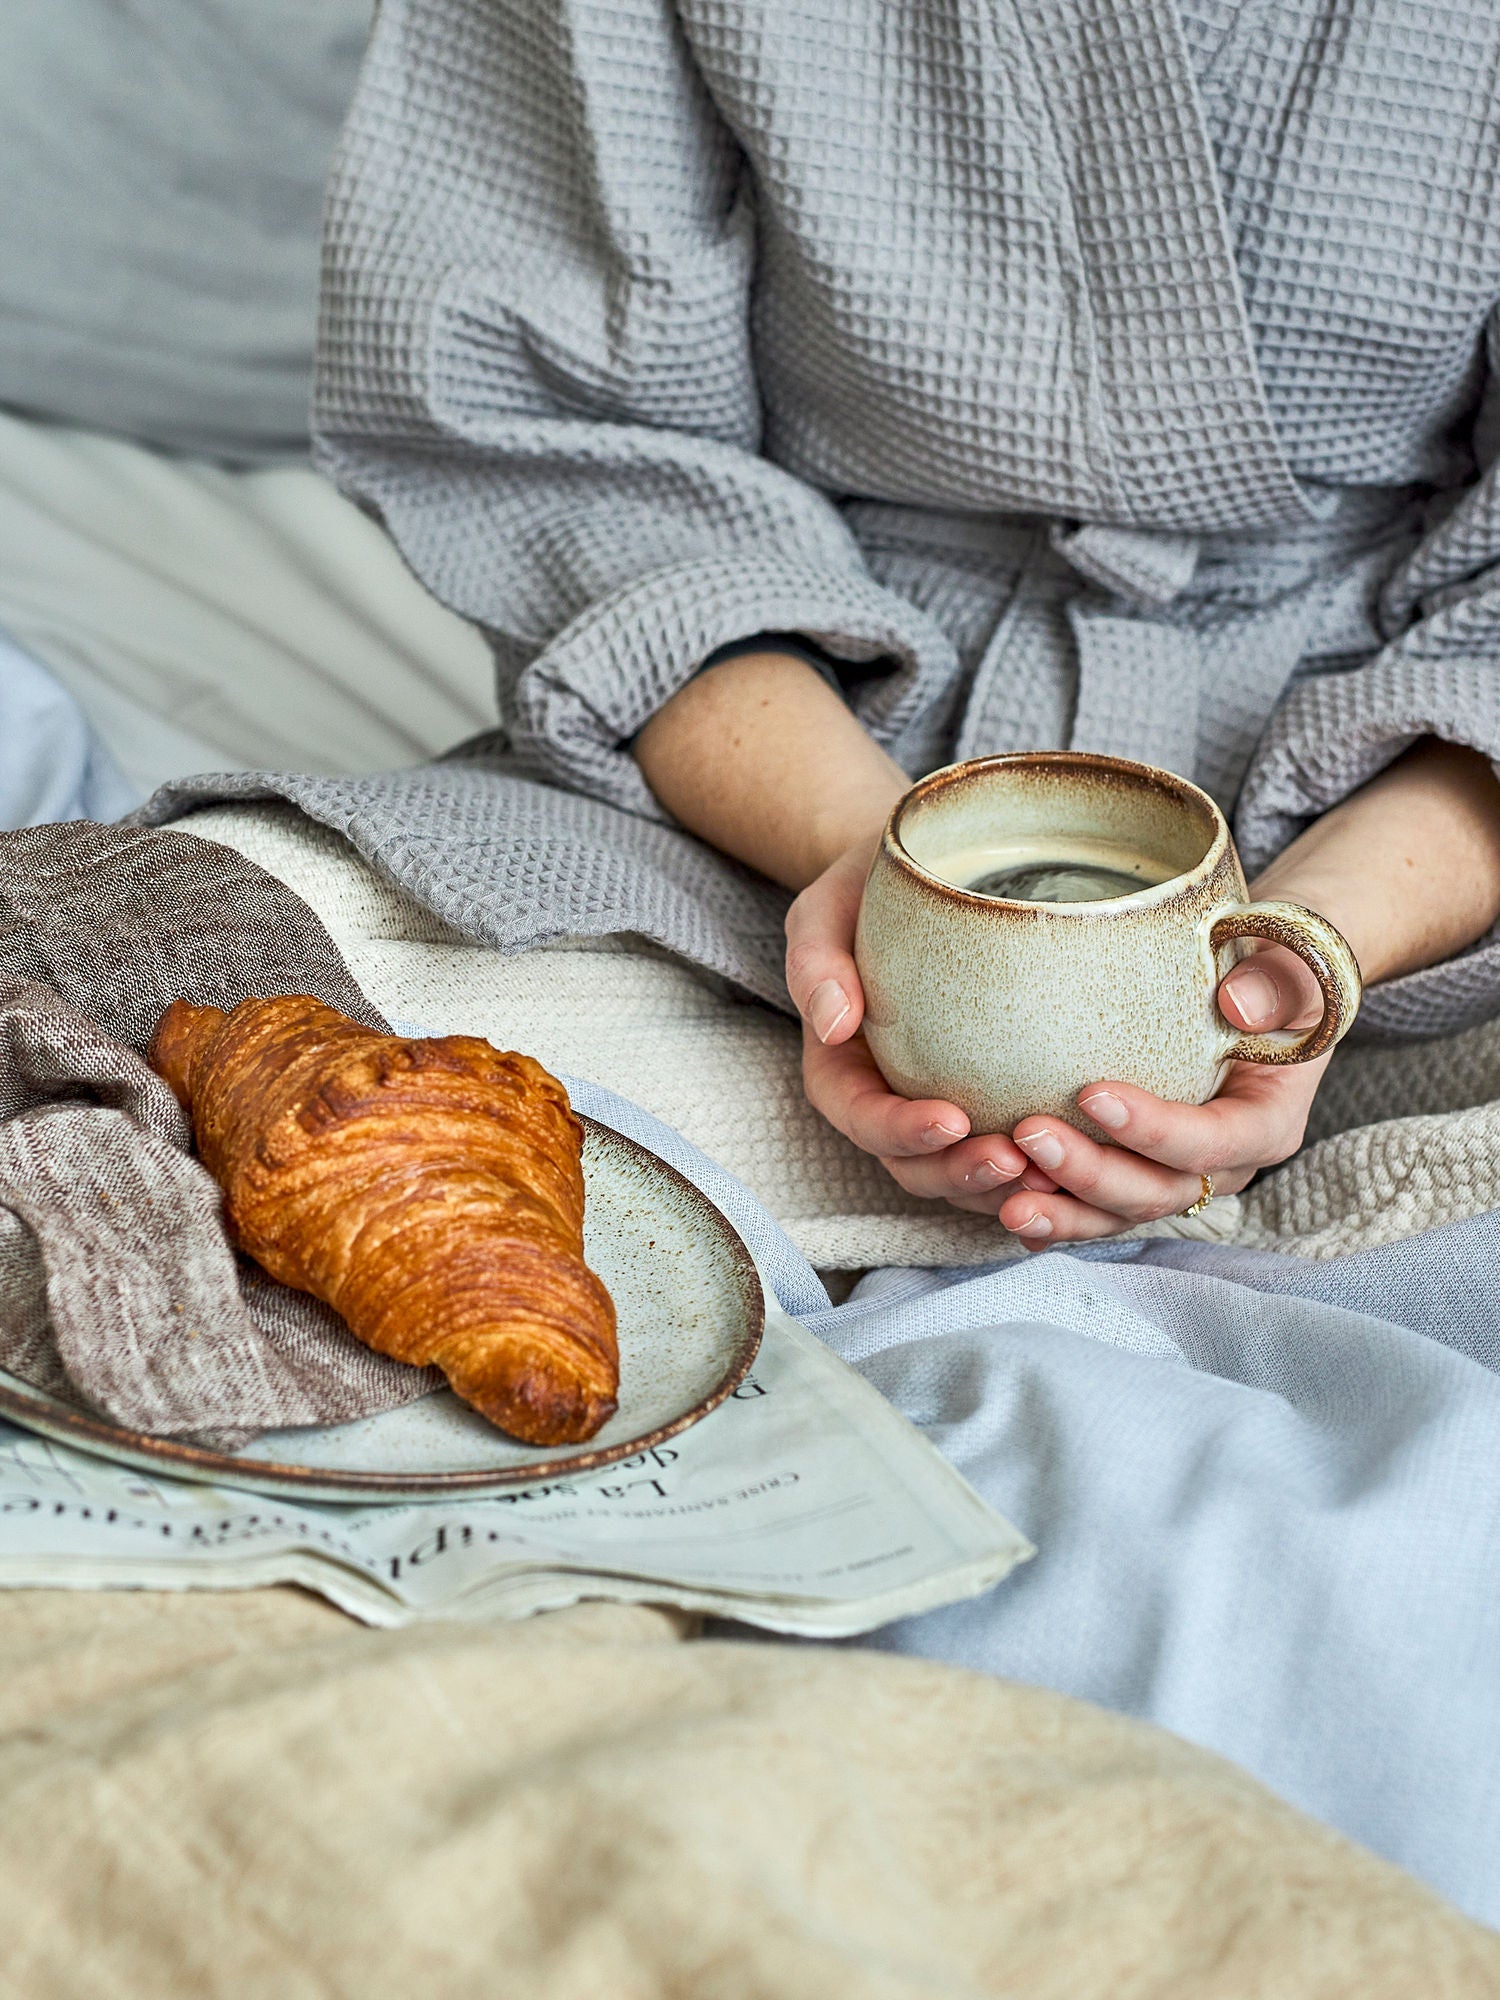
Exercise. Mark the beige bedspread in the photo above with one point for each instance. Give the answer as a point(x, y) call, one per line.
point(246, 1795)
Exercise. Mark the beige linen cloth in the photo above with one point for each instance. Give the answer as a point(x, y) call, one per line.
point(245, 1797)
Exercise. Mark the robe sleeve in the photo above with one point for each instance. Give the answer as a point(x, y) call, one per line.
point(1437, 675)
point(536, 368)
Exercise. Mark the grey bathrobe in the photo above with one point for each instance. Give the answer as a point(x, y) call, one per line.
point(1114, 373)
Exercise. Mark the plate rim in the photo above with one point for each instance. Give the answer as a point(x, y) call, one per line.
point(97, 1435)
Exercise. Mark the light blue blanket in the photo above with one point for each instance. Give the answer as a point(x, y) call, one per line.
point(1265, 1495)
point(52, 764)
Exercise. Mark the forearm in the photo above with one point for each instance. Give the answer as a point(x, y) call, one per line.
point(1408, 867)
point(761, 758)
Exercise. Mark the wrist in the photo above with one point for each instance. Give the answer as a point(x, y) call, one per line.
point(854, 821)
point(1345, 903)
point(762, 759)
point(1408, 867)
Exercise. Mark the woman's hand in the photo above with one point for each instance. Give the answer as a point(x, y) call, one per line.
point(762, 758)
point(924, 1143)
point(1048, 1181)
point(1161, 1151)
point(1408, 869)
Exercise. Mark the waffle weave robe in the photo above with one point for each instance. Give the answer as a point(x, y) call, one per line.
point(1119, 374)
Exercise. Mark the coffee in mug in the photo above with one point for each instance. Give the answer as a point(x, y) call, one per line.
point(1033, 923)
point(1061, 870)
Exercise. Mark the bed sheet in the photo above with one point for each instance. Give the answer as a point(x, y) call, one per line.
point(53, 765)
point(1262, 1491)
point(208, 619)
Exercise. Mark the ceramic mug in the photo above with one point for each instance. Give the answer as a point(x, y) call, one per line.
point(1007, 1008)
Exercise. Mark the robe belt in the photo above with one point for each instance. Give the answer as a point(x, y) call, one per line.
point(1138, 676)
point(1146, 568)
point(1065, 670)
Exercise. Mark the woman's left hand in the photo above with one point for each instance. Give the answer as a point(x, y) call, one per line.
point(1076, 1188)
point(1408, 868)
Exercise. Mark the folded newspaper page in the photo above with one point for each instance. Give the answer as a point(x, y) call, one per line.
point(804, 1504)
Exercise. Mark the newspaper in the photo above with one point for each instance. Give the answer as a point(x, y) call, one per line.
point(805, 1504)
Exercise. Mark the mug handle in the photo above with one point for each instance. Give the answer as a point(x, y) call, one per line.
point(1326, 955)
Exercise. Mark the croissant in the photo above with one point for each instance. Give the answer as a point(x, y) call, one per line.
point(430, 1191)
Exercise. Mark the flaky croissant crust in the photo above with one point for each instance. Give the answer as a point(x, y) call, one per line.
point(429, 1190)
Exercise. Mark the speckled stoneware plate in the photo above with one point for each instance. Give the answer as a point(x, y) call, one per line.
point(690, 1312)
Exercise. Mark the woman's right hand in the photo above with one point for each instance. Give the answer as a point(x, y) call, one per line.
point(925, 1144)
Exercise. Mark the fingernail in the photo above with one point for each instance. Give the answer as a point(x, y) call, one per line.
point(1038, 1227)
point(938, 1135)
point(988, 1174)
point(826, 1007)
point(1106, 1109)
point(1045, 1149)
point(1256, 995)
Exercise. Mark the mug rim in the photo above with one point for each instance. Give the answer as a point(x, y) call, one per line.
point(1146, 775)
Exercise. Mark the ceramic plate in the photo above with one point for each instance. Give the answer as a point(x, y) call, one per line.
point(690, 1316)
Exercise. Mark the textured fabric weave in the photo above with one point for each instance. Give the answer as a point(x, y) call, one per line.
point(206, 1797)
point(1105, 382)
point(116, 1280)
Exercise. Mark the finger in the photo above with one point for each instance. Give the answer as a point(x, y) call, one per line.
point(1105, 1177)
point(980, 1204)
point(821, 975)
point(1256, 1120)
point(1271, 989)
point(966, 1170)
point(1042, 1220)
point(843, 1083)
point(1063, 1218)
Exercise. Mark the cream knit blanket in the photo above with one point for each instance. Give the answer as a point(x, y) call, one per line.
point(726, 1074)
point(216, 620)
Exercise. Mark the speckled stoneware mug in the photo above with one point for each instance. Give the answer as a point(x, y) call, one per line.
point(1008, 1007)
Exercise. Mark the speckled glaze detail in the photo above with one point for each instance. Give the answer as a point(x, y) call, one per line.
point(691, 1314)
point(1327, 956)
point(1010, 1008)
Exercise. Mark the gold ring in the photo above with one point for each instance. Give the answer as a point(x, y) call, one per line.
point(1204, 1199)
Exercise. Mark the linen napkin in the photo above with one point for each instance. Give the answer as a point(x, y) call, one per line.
point(118, 1286)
